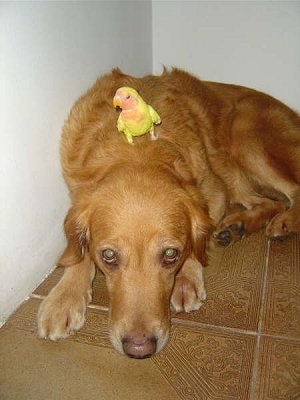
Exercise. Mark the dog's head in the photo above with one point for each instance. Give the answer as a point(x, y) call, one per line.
point(139, 229)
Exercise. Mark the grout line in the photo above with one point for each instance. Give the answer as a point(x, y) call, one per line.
point(255, 372)
point(178, 321)
point(264, 288)
point(253, 381)
point(95, 307)
point(92, 306)
point(279, 337)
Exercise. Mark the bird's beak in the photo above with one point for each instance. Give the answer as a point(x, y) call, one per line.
point(116, 102)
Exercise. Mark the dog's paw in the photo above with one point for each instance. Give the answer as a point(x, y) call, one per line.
point(61, 314)
point(226, 235)
point(187, 295)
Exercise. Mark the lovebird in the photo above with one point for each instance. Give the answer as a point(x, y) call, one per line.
point(137, 117)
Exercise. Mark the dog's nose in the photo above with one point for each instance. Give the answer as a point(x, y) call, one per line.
point(139, 345)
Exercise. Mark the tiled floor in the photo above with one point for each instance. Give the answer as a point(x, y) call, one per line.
point(243, 344)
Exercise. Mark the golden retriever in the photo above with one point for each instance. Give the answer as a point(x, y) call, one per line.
point(143, 213)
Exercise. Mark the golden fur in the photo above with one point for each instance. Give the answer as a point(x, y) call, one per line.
point(218, 146)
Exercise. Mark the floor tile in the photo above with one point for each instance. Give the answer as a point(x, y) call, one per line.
point(208, 364)
point(282, 299)
point(279, 370)
point(234, 282)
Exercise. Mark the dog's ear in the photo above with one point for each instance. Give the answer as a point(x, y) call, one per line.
point(76, 232)
point(201, 227)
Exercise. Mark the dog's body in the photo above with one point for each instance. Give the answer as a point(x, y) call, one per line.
point(144, 212)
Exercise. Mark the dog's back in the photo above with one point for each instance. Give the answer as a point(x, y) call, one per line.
point(235, 141)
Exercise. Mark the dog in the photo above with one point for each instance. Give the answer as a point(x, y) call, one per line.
point(145, 213)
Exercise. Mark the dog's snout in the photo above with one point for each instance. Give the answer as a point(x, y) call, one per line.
point(141, 345)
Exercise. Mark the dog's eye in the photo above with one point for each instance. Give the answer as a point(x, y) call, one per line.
point(109, 256)
point(170, 256)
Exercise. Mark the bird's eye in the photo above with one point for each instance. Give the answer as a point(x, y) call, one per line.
point(170, 256)
point(110, 256)
point(128, 97)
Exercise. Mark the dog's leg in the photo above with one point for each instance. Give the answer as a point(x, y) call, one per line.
point(63, 310)
point(189, 291)
point(259, 212)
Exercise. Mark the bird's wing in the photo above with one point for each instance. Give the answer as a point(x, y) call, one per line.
point(154, 116)
point(120, 124)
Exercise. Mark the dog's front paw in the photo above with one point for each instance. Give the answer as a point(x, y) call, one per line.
point(62, 313)
point(188, 295)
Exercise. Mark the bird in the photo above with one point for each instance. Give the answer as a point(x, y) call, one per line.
point(137, 117)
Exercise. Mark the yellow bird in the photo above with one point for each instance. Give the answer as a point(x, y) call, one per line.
point(137, 117)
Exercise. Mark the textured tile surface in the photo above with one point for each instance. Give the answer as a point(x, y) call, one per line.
point(282, 305)
point(279, 370)
point(234, 281)
point(208, 364)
